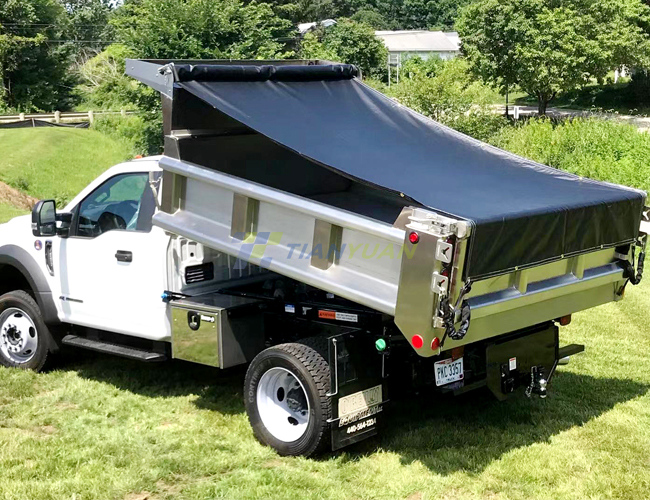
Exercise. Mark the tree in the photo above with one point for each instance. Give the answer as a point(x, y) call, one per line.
point(33, 62)
point(547, 47)
point(372, 17)
point(348, 42)
point(201, 29)
point(303, 11)
point(430, 14)
point(380, 14)
point(491, 50)
point(88, 25)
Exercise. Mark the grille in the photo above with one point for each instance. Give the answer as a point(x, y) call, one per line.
point(197, 274)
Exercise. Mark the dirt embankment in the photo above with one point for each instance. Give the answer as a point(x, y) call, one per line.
point(14, 197)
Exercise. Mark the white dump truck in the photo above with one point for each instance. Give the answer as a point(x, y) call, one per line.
point(334, 240)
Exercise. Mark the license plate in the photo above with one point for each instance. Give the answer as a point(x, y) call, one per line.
point(359, 401)
point(448, 371)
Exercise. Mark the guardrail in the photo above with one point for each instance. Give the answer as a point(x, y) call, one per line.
point(62, 117)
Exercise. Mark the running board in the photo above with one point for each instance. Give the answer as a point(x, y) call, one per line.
point(116, 350)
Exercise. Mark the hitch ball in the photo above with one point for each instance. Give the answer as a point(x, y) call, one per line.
point(538, 383)
point(540, 388)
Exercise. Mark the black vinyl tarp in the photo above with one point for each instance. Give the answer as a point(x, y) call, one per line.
point(523, 213)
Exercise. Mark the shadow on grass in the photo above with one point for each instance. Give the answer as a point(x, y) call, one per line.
point(219, 390)
point(469, 432)
point(444, 433)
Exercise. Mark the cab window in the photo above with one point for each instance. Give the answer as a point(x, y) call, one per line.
point(124, 202)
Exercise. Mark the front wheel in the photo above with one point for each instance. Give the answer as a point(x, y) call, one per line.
point(286, 397)
point(24, 337)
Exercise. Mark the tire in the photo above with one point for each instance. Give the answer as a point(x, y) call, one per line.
point(272, 402)
point(25, 339)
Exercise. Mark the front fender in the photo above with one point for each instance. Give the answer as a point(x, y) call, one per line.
point(19, 258)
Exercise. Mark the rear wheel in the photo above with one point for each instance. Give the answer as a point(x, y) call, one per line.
point(286, 397)
point(24, 337)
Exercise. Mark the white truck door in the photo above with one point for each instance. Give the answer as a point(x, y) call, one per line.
point(113, 262)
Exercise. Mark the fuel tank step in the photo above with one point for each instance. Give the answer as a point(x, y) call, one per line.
point(114, 349)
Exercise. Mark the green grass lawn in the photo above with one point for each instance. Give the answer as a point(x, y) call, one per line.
point(513, 98)
point(58, 162)
point(8, 212)
point(103, 428)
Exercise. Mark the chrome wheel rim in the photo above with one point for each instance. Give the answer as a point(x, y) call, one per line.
point(283, 404)
point(18, 336)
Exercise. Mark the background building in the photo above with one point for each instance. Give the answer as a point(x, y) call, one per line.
point(425, 44)
point(422, 43)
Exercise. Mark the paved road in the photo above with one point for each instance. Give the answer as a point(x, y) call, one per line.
point(642, 122)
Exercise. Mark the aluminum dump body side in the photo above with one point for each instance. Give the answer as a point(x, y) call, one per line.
point(269, 164)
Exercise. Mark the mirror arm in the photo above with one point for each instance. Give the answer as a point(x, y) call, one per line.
point(66, 221)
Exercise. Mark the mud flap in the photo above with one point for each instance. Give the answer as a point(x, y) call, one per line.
point(358, 388)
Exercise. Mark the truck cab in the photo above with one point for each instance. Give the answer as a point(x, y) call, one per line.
point(105, 269)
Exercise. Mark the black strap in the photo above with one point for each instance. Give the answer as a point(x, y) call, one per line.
point(449, 316)
point(629, 273)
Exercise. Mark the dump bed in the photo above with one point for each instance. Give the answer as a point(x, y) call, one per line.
point(306, 152)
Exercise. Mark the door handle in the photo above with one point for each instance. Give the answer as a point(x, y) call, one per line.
point(124, 256)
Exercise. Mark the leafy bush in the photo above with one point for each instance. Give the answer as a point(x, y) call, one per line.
point(593, 148)
point(416, 66)
point(143, 132)
point(481, 125)
point(103, 82)
point(445, 92)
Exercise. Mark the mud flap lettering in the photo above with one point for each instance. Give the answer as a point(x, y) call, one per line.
point(350, 430)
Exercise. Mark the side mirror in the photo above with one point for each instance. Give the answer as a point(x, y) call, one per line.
point(44, 218)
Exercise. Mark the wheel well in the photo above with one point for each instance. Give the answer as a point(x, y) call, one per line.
point(12, 279)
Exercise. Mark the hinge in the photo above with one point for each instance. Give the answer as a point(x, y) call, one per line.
point(439, 225)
